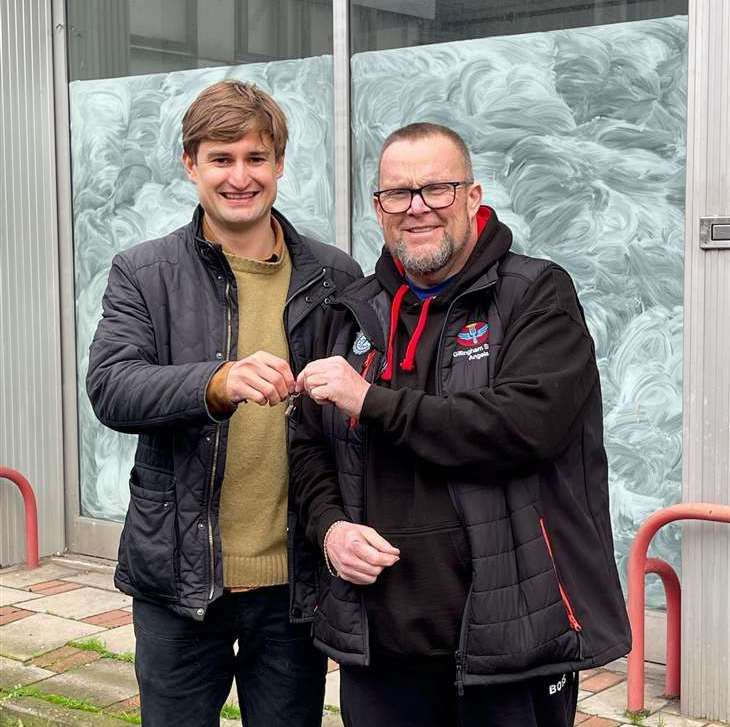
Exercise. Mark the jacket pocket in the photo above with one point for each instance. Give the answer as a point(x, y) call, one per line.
point(148, 546)
point(570, 613)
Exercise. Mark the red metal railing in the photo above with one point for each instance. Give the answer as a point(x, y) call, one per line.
point(639, 565)
point(31, 514)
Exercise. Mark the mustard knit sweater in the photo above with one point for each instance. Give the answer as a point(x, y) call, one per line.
point(253, 500)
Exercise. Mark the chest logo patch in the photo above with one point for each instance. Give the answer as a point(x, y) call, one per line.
point(473, 334)
point(361, 345)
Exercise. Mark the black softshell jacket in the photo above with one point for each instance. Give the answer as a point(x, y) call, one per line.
point(170, 320)
point(514, 423)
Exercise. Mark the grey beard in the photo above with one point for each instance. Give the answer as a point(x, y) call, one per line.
point(425, 264)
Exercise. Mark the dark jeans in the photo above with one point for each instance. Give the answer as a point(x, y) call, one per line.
point(185, 669)
point(421, 699)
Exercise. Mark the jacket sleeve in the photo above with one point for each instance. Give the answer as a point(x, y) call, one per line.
point(314, 488)
point(545, 375)
point(129, 390)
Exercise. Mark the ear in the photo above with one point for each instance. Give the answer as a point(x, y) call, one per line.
point(474, 199)
point(279, 167)
point(190, 167)
point(378, 211)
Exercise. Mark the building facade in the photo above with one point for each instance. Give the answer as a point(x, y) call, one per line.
point(600, 131)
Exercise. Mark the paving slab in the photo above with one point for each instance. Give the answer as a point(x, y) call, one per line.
point(110, 619)
point(10, 596)
point(32, 712)
point(665, 719)
point(120, 640)
point(611, 703)
point(97, 579)
point(332, 689)
point(82, 602)
point(39, 633)
point(102, 682)
point(331, 719)
point(23, 577)
point(16, 674)
point(8, 614)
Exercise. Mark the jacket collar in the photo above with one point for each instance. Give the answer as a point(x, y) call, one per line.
point(305, 265)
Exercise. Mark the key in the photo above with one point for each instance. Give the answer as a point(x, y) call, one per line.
point(292, 405)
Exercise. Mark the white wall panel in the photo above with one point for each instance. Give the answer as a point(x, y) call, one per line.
point(30, 361)
point(706, 475)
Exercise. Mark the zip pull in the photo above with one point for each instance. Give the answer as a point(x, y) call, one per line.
point(459, 675)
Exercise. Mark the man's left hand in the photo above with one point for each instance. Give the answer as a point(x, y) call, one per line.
point(333, 380)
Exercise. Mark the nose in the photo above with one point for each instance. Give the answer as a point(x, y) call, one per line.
point(238, 176)
point(418, 206)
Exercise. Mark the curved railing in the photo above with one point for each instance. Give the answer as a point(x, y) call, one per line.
point(639, 565)
point(31, 514)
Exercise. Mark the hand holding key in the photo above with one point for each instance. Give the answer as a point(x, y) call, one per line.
point(262, 378)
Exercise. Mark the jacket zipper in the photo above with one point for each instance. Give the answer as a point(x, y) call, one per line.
point(216, 448)
point(461, 653)
point(574, 623)
point(439, 389)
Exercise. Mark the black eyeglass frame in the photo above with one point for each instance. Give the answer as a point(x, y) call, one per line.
point(419, 192)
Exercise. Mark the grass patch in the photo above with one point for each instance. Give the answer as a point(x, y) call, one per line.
point(637, 717)
point(80, 705)
point(67, 702)
point(129, 718)
point(100, 648)
point(230, 711)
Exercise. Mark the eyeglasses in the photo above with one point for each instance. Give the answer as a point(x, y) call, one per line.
point(436, 196)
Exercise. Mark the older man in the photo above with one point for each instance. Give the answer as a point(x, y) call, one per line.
point(454, 475)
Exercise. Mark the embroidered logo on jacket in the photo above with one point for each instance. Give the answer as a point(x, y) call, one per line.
point(473, 334)
point(361, 345)
point(473, 340)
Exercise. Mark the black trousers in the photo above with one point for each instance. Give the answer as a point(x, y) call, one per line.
point(185, 669)
point(401, 698)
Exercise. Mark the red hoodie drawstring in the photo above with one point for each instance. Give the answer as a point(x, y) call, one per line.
point(409, 362)
point(387, 374)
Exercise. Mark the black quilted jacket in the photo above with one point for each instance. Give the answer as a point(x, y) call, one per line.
point(519, 433)
point(170, 320)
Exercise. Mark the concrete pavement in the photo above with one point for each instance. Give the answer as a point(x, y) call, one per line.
point(67, 646)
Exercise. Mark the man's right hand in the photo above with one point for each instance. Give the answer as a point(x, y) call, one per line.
point(358, 553)
point(260, 377)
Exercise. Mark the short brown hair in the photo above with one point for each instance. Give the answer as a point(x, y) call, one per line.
point(423, 130)
point(227, 111)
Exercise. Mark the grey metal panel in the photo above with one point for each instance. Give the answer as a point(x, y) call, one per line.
point(341, 61)
point(30, 362)
point(706, 473)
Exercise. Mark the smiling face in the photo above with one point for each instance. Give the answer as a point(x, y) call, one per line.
point(431, 244)
point(236, 181)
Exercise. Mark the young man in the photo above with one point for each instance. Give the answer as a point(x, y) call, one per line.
point(199, 327)
point(455, 475)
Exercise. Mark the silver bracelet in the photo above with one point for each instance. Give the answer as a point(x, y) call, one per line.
point(327, 561)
